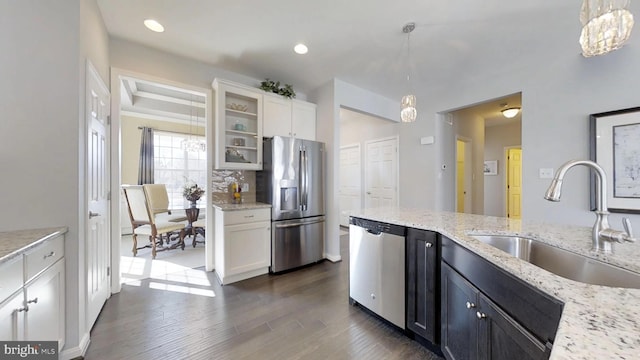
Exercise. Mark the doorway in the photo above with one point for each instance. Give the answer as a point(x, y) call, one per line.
point(490, 133)
point(381, 173)
point(350, 181)
point(464, 175)
point(176, 113)
point(514, 182)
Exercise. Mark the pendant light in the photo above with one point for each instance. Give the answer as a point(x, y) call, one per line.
point(606, 26)
point(408, 112)
point(192, 144)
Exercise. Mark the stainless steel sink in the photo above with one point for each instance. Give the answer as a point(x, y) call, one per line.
point(562, 262)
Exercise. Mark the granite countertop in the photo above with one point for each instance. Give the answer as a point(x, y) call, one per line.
point(597, 322)
point(14, 243)
point(241, 206)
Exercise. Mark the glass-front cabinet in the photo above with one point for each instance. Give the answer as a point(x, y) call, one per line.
point(238, 126)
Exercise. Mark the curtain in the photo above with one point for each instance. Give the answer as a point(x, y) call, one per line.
point(145, 169)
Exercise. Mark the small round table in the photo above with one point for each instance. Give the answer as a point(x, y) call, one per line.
point(192, 216)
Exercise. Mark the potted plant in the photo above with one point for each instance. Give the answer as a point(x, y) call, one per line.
point(192, 192)
point(274, 87)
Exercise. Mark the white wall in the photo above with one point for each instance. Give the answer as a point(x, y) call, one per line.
point(44, 45)
point(496, 139)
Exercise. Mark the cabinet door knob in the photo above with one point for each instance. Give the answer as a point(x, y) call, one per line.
point(470, 305)
point(34, 301)
point(373, 296)
point(25, 309)
point(428, 244)
point(480, 315)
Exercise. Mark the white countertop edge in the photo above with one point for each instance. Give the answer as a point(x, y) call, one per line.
point(15, 243)
point(241, 206)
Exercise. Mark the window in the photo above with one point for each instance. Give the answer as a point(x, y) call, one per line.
point(174, 166)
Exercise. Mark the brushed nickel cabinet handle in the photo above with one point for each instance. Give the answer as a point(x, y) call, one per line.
point(470, 305)
point(48, 255)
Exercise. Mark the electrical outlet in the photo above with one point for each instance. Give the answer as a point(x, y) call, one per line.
point(546, 173)
point(245, 187)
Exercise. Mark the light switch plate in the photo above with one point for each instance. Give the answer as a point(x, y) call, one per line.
point(546, 173)
point(245, 187)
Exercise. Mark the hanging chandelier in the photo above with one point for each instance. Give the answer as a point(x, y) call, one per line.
point(606, 26)
point(191, 143)
point(408, 112)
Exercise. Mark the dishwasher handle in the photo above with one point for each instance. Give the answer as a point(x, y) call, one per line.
point(373, 232)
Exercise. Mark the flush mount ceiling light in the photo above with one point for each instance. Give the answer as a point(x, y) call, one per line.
point(606, 26)
point(408, 112)
point(301, 49)
point(509, 112)
point(153, 25)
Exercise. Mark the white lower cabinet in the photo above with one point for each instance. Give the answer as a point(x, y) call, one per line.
point(45, 298)
point(35, 308)
point(242, 244)
point(12, 318)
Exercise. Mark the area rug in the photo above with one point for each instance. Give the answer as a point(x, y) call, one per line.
point(175, 262)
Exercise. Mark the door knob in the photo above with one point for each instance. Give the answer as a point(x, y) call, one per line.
point(480, 315)
point(92, 214)
point(428, 244)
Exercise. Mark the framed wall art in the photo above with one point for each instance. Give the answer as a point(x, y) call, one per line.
point(491, 167)
point(615, 145)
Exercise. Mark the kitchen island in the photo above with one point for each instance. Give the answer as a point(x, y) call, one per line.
point(597, 322)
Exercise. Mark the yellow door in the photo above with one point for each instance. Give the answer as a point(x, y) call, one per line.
point(514, 183)
point(460, 176)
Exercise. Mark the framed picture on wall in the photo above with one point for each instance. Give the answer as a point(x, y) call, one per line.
point(491, 167)
point(614, 145)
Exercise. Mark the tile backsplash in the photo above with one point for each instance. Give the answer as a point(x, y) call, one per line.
point(221, 183)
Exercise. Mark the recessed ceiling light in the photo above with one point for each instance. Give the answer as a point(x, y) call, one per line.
point(301, 49)
point(153, 25)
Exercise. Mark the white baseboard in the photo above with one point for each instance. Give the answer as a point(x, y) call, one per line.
point(77, 351)
point(333, 258)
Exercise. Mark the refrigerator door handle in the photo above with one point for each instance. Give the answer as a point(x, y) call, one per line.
point(302, 172)
point(279, 226)
point(306, 180)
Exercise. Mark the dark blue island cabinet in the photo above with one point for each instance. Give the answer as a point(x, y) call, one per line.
point(423, 283)
point(487, 313)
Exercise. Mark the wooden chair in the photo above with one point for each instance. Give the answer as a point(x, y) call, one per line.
point(159, 203)
point(144, 223)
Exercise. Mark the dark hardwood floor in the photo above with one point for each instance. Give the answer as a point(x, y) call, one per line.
point(304, 314)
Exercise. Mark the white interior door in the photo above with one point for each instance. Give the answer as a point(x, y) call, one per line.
point(98, 248)
point(381, 172)
point(350, 181)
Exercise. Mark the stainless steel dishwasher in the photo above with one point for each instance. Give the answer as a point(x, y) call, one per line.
point(376, 268)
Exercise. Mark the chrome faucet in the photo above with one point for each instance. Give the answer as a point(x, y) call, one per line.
point(602, 235)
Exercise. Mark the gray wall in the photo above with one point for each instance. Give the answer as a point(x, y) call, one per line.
point(44, 48)
point(496, 139)
point(560, 88)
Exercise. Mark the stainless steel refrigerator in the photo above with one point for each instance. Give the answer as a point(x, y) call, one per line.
point(292, 181)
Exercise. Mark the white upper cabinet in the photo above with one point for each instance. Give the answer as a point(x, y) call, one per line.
point(238, 126)
point(286, 117)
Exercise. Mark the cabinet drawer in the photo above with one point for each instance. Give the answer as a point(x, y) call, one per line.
point(246, 216)
point(43, 256)
point(11, 277)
